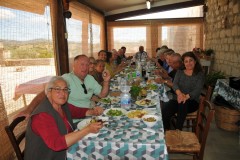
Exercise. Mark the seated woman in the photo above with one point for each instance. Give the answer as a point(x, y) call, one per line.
point(187, 84)
point(98, 71)
point(112, 65)
point(92, 64)
point(50, 127)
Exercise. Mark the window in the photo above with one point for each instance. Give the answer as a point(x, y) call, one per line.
point(130, 37)
point(74, 29)
point(179, 34)
point(181, 38)
point(26, 51)
point(94, 29)
point(85, 31)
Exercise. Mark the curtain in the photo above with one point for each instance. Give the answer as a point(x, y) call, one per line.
point(149, 33)
point(28, 45)
point(85, 31)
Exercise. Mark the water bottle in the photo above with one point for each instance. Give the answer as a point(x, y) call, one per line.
point(125, 97)
point(125, 100)
point(139, 70)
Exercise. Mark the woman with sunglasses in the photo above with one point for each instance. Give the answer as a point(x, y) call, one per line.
point(50, 127)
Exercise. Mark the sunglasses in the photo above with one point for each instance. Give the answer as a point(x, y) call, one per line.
point(84, 87)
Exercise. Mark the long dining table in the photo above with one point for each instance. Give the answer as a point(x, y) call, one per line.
point(124, 138)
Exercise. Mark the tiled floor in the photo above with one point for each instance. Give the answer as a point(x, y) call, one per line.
point(221, 145)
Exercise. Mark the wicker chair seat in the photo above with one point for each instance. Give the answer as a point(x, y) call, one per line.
point(181, 141)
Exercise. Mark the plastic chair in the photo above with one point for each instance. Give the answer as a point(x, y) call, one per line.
point(189, 142)
point(16, 140)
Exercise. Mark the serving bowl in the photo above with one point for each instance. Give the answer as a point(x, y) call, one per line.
point(150, 120)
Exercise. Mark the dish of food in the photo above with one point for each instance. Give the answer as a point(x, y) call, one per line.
point(146, 102)
point(150, 120)
point(109, 100)
point(115, 112)
point(114, 88)
point(151, 87)
point(83, 124)
point(136, 114)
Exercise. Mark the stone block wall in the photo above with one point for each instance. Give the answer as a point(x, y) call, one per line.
point(222, 34)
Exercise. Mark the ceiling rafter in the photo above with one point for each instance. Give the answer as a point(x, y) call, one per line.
point(155, 9)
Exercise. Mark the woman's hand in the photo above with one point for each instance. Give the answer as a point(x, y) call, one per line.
point(96, 111)
point(186, 97)
point(180, 98)
point(94, 127)
point(106, 75)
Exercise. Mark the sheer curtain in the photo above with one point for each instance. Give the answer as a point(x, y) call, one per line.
point(26, 52)
point(131, 35)
point(85, 31)
point(181, 38)
point(179, 34)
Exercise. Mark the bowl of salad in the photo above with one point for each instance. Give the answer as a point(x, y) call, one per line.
point(115, 112)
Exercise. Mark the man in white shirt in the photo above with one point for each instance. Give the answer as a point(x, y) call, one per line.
point(141, 54)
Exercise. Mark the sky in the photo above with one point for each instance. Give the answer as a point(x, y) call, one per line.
point(23, 26)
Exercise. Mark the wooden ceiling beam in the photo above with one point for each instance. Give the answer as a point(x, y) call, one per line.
point(90, 6)
point(155, 9)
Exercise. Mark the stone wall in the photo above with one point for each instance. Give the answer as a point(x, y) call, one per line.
point(222, 34)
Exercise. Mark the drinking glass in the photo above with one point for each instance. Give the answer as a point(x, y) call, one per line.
point(143, 72)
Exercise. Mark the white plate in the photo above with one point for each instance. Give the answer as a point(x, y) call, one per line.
point(118, 109)
point(83, 124)
point(141, 102)
point(139, 113)
point(114, 88)
point(114, 100)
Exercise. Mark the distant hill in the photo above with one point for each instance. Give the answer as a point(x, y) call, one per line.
point(14, 42)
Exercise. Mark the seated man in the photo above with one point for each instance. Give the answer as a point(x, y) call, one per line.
point(82, 86)
point(124, 53)
point(167, 78)
point(141, 54)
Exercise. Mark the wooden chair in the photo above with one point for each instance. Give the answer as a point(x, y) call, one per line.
point(191, 118)
point(192, 143)
point(16, 140)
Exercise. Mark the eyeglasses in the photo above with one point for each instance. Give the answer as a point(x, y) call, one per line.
point(84, 87)
point(58, 89)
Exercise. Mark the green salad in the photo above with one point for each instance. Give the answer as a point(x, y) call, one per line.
point(152, 87)
point(114, 112)
point(106, 100)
